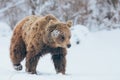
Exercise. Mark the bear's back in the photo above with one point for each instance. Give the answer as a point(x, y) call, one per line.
point(35, 28)
point(27, 26)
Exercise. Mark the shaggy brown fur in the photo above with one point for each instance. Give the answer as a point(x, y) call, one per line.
point(36, 36)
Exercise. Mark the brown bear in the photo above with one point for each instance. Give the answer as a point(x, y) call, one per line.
point(35, 36)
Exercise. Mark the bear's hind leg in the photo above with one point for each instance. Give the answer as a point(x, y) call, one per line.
point(32, 59)
point(17, 53)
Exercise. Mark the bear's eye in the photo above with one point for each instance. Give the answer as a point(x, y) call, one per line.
point(62, 38)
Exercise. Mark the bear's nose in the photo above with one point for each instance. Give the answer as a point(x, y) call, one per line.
point(69, 45)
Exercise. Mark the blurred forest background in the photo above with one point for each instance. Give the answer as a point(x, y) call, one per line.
point(96, 15)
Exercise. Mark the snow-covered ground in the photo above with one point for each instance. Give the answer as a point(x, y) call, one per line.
point(97, 57)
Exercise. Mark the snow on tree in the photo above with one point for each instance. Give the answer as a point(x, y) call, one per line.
point(94, 14)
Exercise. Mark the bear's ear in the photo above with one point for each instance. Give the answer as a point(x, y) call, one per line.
point(69, 23)
point(51, 22)
point(49, 17)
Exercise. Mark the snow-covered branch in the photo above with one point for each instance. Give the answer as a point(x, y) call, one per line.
point(11, 6)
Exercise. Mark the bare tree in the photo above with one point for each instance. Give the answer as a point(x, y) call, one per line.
point(13, 12)
point(33, 4)
point(95, 14)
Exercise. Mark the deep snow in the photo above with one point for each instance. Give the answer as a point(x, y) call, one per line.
point(97, 57)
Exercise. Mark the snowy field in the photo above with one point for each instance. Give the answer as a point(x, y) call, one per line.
point(97, 57)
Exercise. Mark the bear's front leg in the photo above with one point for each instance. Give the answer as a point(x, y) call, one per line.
point(31, 62)
point(59, 60)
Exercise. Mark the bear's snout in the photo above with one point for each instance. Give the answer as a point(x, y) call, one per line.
point(68, 45)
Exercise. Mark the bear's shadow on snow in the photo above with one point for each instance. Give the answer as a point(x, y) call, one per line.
point(40, 73)
point(51, 74)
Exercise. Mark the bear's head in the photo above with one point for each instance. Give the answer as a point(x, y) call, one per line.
point(58, 34)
